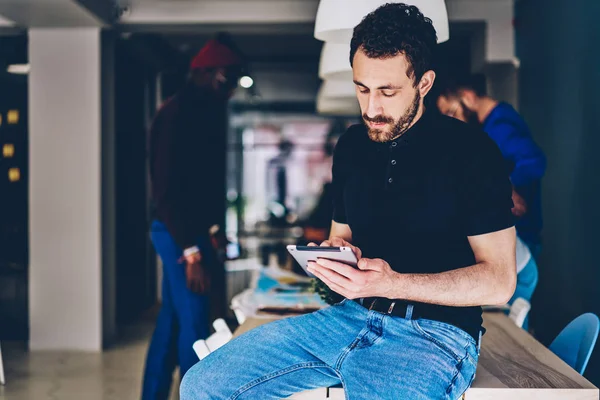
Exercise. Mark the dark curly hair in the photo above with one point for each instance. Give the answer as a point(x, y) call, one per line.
point(397, 28)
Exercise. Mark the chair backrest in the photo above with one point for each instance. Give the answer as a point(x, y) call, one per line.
point(221, 336)
point(239, 315)
point(519, 310)
point(574, 344)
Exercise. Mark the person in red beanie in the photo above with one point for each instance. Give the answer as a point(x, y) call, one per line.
point(187, 172)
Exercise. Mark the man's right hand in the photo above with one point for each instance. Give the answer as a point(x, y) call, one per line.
point(520, 205)
point(339, 242)
point(198, 280)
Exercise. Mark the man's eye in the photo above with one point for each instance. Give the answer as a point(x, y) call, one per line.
point(388, 94)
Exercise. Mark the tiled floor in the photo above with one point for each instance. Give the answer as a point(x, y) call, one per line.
point(115, 374)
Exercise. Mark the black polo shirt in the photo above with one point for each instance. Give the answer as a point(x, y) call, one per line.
point(414, 201)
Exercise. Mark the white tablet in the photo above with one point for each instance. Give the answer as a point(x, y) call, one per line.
point(304, 254)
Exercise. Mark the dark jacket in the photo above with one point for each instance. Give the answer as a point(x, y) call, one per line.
point(187, 164)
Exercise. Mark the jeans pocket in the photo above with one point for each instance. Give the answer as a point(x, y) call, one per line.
point(447, 338)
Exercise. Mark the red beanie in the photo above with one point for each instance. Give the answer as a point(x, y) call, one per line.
point(215, 54)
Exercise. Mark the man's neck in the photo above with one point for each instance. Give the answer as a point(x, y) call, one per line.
point(418, 116)
point(486, 106)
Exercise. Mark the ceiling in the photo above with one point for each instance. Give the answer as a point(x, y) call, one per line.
point(275, 35)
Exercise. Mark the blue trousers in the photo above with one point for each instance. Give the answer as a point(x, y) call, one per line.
point(527, 280)
point(183, 317)
point(373, 355)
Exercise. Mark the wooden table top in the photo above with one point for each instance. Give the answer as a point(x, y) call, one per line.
point(512, 365)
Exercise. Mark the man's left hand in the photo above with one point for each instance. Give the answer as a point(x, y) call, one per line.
point(373, 278)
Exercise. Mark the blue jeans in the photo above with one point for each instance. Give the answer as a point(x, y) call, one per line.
point(373, 355)
point(527, 279)
point(183, 318)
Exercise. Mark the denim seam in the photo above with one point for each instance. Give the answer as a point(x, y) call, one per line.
point(451, 327)
point(458, 368)
point(458, 371)
point(338, 364)
point(379, 336)
point(343, 381)
point(441, 345)
point(276, 374)
point(375, 321)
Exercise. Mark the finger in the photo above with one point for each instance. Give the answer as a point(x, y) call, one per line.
point(312, 244)
point(326, 243)
point(340, 268)
point(338, 242)
point(331, 275)
point(331, 285)
point(367, 264)
point(357, 252)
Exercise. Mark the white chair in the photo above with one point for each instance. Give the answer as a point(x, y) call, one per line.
point(2, 380)
point(237, 305)
point(316, 394)
point(221, 336)
point(239, 315)
point(519, 310)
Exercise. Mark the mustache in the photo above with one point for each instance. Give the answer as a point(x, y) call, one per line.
point(378, 119)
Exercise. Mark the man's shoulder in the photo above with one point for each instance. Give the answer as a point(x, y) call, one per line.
point(504, 115)
point(467, 143)
point(455, 134)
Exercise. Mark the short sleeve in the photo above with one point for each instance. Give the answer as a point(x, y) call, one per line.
point(487, 191)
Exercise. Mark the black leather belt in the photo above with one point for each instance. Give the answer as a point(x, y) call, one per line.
point(399, 308)
point(389, 307)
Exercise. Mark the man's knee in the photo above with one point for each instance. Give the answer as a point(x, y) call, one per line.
point(194, 384)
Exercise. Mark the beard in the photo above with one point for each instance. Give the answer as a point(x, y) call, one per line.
point(399, 127)
point(470, 116)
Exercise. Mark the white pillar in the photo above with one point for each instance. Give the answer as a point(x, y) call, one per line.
point(65, 267)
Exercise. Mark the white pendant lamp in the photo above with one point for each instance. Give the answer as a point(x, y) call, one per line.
point(335, 62)
point(337, 98)
point(338, 89)
point(347, 106)
point(336, 19)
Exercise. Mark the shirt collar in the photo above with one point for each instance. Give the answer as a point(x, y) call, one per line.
point(414, 135)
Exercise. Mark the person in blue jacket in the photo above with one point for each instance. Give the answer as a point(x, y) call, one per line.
point(465, 98)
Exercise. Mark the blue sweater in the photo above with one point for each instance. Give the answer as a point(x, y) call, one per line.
point(508, 129)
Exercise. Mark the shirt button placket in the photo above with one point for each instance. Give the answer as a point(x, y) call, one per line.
point(393, 162)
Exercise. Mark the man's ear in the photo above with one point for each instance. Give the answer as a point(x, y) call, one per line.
point(469, 98)
point(426, 83)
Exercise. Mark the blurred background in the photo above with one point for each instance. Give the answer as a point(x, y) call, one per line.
point(80, 82)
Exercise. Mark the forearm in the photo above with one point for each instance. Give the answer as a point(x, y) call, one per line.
point(479, 284)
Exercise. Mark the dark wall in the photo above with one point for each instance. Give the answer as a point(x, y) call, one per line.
point(14, 322)
point(136, 273)
point(14, 314)
point(558, 42)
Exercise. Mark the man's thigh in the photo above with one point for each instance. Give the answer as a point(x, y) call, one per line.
point(277, 359)
point(413, 359)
